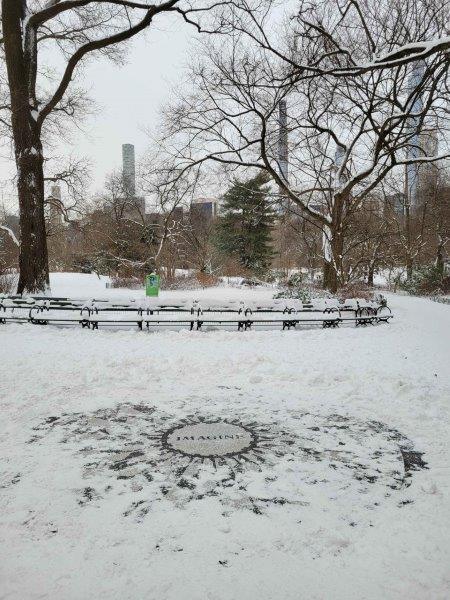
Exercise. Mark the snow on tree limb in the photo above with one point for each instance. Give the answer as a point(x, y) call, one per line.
point(400, 56)
point(11, 234)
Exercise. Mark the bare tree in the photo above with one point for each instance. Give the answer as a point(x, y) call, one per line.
point(346, 134)
point(342, 38)
point(130, 235)
point(419, 233)
point(34, 99)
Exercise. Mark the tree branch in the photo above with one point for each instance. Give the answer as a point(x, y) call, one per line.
point(98, 45)
point(11, 234)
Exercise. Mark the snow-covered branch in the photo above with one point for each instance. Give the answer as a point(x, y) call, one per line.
point(11, 234)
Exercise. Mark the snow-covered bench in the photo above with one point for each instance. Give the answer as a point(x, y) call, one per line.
point(151, 313)
point(43, 315)
point(287, 321)
point(11, 311)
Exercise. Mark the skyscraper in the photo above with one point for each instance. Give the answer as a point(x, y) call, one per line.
point(205, 208)
point(283, 158)
point(414, 151)
point(56, 216)
point(128, 169)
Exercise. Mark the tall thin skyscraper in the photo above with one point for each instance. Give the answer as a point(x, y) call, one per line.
point(412, 169)
point(339, 156)
point(128, 169)
point(56, 215)
point(283, 155)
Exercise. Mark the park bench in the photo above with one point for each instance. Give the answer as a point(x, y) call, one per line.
point(151, 313)
point(59, 315)
point(12, 312)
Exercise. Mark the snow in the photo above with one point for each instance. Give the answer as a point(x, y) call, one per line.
point(81, 285)
point(88, 286)
point(11, 234)
point(337, 522)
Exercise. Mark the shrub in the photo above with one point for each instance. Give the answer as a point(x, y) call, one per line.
point(252, 282)
point(131, 283)
point(183, 282)
point(306, 292)
point(206, 279)
point(356, 290)
point(275, 276)
point(295, 280)
point(189, 282)
point(427, 280)
point(303, 292)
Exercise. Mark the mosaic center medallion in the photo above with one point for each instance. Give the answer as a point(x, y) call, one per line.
point(210, 439)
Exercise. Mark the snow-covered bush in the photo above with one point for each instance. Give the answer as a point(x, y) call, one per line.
point(356, 290)
point(189, 282)
point(275, 276)
point(252, 282)
point(303, 292)
point(131, 283)
point(295, 280)
point(427, 280)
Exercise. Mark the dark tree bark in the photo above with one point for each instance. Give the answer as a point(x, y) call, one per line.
point(440, 257)
point(34, 277)
point(333, 273)
point(333, 269)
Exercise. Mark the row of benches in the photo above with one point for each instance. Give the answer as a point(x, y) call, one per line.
point(154, 304)
point(196, 318)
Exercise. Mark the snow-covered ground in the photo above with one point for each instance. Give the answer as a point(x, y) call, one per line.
point(95, 505)
point(88, 286)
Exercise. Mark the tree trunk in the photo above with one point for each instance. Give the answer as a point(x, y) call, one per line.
point(409, 259)
point(409, 267)
point(333, 273)
point(330, 281)
point(33, 260)
point(370, 274)
point(440, 256)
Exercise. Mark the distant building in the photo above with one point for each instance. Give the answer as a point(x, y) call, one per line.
point(397, 203)
point(204, 207)
point(129, 169)
point(283, 152)
point(54, 201)
point(135, 208)
point(74, 233)
point(428, 171)
point(420, 177)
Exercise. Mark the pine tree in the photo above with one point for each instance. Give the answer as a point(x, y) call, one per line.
point(244, 229)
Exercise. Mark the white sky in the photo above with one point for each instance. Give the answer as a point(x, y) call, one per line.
point(128, 98)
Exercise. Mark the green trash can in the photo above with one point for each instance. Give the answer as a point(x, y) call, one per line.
point(152, 285)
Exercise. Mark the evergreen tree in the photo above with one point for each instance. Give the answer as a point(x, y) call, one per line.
point(244, 229)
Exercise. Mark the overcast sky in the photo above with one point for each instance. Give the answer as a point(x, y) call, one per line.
point(128, 97)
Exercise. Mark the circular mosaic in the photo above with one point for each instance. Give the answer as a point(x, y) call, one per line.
point(207, 439)
point(292, 459)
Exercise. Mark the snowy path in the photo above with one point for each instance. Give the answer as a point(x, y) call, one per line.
point(93, 506)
